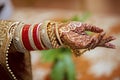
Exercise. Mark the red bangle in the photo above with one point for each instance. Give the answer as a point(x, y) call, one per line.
point(25, 37)
point(35, 37)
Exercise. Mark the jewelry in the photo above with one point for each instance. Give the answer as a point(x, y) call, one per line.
point(17, 39)
point(25, 37)
point(44, 35)
point(31, 37)
point(41, 46)
point(52, 35)
point(57, 34)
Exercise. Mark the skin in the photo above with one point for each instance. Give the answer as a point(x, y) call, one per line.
point(73, 34)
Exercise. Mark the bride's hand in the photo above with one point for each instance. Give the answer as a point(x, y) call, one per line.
point(73, 34)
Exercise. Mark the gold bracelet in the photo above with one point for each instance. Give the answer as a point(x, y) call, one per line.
point(58, 35)
point(52, 35)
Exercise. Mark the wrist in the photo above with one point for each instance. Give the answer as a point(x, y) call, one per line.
point(50, 35)
point(27, 37)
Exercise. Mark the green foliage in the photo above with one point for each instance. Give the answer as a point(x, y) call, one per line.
point(58, 71)
point(81, 18)
point(53, 54)
point(63, 68)
point(69, 67)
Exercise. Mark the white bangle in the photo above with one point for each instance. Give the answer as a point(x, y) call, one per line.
point(44, 35)
point(17, 39)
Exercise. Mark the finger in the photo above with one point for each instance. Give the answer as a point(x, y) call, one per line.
point(96, 40)
point(91, 44)
point(108, 39)
point(91, 28)
point(100, 38)
point(109, 45)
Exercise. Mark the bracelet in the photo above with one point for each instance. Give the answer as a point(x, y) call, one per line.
point(27, 38)
point(52, 35)
point(58, 35)
point(39, 37)
point(32, 36)
point(44, 35)
point(36, 37)
point(17, 39)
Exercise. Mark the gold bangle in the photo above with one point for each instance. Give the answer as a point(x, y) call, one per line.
point(44, 35)
point(57, 34)
point(52, 36)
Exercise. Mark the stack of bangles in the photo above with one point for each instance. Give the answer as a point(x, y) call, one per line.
point(37, 37)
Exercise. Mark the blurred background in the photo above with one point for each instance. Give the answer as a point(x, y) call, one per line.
point(97, 64)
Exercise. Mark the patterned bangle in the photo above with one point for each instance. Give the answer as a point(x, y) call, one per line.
point(44, 35)
point(52, 35)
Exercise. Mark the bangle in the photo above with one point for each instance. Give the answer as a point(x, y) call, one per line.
point(27, 38)
point(36, 37)
point(52, 35)
point(44, 35)
point(39, 36)
point(57, 34)
point(17, 39)
point(32, 36)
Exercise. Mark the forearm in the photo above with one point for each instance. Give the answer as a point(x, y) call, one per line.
point(49, 34)
point(28, 37)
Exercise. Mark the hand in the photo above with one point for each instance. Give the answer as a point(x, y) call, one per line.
point(74, 35)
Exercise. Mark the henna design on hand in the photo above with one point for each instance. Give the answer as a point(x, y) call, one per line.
point(73, 35)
